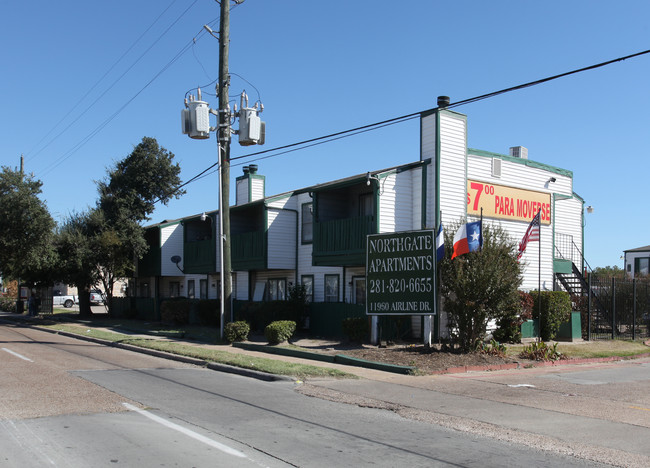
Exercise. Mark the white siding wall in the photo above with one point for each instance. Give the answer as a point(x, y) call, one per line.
point(281, 238)
point(241, 286)
point(428, 152)
point(397, 210)
point(171, 242)
point(416, 198)
point(566, 218)
point(568, 222)
point(453, 152)
point(241, 197)
point(257, 189)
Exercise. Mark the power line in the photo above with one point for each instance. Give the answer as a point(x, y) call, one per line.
point(99, 81)
point(374, 126)
point(544, 80)
point(101, 126)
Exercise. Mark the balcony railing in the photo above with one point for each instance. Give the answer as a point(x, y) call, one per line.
point(248, 251)
point(199, 257)
point(342, 241)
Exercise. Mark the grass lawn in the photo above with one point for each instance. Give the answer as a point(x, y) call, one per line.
point(272, 366)
point(593, 349)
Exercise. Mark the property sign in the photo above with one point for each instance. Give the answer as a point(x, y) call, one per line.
point(499, 201)
point(400, 273)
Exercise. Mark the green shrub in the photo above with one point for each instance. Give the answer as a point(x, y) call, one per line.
point(494, 348)
point(7, 304)
point(280, 331)
point(176, 311)
point(541, 352)
point(236, 331)
point(556, 309)
point(356, 328)
point(261, 314)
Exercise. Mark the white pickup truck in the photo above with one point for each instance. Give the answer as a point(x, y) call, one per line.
point(63, 300)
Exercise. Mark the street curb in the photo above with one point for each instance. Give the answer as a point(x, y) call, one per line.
point(173, 357)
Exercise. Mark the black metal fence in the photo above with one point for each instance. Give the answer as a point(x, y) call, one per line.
point(618, 308)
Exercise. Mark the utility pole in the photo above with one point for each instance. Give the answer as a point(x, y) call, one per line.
point(195, 119)
point(223, 138)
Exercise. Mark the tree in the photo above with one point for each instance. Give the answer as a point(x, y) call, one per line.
point(126, 198)
point(148, 175)
point(78, 260)
point(479, 286)
point(26, 229)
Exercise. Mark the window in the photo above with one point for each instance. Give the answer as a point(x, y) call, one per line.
point(174, 289)
point(307, 223)
point(366, 205)
point(308, 282)
point(331, 288)
point(359, 290)
point(276, 289)
point(641, 266)
point(203, 289)
point(190, 289)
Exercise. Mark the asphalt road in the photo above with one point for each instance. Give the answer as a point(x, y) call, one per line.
point(72, 403)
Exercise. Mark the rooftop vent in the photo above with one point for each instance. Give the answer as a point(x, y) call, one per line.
point(519, 152)
point(443, 101)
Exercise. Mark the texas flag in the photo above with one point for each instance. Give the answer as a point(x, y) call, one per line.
point(467, 239)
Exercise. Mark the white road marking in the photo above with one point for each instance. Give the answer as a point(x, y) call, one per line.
point(187, 432)
point(17, 355)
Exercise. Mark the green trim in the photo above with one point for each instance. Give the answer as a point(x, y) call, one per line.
point(171, 223)
point(525, 162)
point(377, 204)
point(265, 255)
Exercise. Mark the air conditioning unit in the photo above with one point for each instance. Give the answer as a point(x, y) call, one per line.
point(519, 152)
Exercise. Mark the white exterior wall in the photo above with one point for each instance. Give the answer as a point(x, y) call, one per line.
point(240, 286)
point(428, 152)
point(453, 154)
point(400, 201)
point(241, 191)
point(282, 216)
point(566, 212)
point(257, 188)
point(171, 243)
point(568, 221)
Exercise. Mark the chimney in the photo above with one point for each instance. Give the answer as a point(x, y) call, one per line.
point(250, 186)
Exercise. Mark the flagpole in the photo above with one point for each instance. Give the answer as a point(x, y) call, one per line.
point(539, 279)
point(480, 239)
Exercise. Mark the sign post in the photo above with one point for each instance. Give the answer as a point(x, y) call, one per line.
point(400, 278)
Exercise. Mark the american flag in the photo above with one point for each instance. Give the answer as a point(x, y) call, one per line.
point(532, 234)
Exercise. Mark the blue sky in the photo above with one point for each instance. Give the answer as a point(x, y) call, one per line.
point(78, 94)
